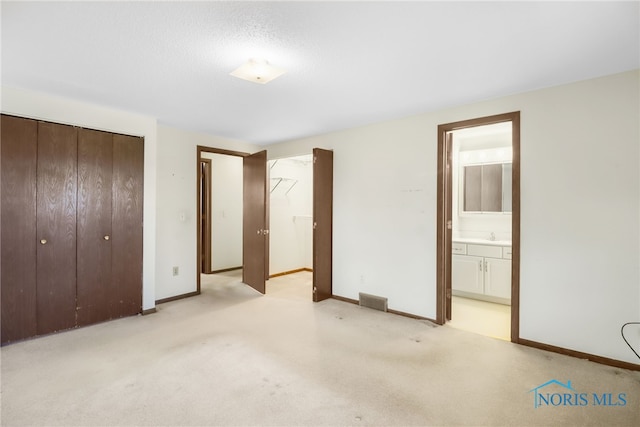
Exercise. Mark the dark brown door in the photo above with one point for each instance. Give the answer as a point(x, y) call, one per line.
point(56, 227)
point(205, 214)
point(126, 239)
point(18, 155)
point(95, 166)
point(322, 224)
point(254, 220)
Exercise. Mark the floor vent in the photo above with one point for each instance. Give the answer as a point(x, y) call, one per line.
point(373, 301)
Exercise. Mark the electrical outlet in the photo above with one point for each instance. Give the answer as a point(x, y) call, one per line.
point(176, 271)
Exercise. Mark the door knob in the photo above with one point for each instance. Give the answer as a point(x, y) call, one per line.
point(43, 241)
point(106, 237)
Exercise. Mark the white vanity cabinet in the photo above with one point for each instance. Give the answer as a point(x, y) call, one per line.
point(481, 271)
point(467, 274)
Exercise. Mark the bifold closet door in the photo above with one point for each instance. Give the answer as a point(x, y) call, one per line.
point(126, 242)
point(95, 169)
point(18, 155)
point(56, 227)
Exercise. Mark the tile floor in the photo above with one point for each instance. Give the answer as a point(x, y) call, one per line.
point(485, 318)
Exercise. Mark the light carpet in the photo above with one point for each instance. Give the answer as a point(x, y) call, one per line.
point(233, 357)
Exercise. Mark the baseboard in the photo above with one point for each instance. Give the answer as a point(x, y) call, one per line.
point(284, 273)
point(412, 316)
point(396, 312)
point(177, 297)
point(580, 355)
point(224, 270)
point(149, 311)
point(343, 299)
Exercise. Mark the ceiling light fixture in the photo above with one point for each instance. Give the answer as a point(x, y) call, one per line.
point(257, 71)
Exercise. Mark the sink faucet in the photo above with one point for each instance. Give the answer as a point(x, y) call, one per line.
point(493, 236)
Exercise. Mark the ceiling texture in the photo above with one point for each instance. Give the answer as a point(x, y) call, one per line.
point(348, 63)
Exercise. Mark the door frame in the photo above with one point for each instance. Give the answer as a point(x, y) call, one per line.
point(199, 150)
point(444, 207)
point(205, 194)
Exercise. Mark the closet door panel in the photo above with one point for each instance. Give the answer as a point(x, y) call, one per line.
point(56, 227)
point(128, 165)
point(95, 164)
point(18, 154)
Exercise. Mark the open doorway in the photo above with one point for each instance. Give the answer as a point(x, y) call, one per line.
point(231, 201)
point(221, 212)
point(481, 167)
point(301, 219)
point(478, 225)
point(255, 193)
point(291, 224)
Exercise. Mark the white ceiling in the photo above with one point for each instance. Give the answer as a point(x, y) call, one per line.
point(349, 63)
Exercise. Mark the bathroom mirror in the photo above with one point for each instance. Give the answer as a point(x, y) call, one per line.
point(486, 188)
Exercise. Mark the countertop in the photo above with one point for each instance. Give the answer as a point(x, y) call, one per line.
point(482, 241)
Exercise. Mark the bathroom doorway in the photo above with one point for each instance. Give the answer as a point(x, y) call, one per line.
point(478, 225)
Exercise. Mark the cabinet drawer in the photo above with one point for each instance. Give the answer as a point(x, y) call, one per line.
point(506, 252)
point(488, 251)
point(458, 248)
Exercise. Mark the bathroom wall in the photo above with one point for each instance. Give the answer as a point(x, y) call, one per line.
point(580, 217)
point(492, 148)
point(290, 235)
point(226, 211)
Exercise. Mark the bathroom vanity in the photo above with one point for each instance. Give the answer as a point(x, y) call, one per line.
point(481, 269)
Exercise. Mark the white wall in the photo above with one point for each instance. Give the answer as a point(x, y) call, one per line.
point(290, 223)
point(226, 210)
point(177, 198)
point(580, 201)
point(61, 110)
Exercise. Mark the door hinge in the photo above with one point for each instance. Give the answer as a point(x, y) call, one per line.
point(314, 159)
point(448, 295)
point(315, 224)
point(449, 225)
point(315, 289)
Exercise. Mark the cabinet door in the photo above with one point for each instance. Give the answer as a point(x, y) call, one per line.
point(126, 240)
point(18, 154)
point(56, 227)
point(498, 278)
point(467, 273)
point(95, 164)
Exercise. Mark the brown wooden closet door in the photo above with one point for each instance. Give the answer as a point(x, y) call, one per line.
point(56, 227)
point(322, 224)
point(95, 164)
point(126, 241)
point(18, 154)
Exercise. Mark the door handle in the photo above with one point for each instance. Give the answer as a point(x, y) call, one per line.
point(43, 241)
point(106, 237)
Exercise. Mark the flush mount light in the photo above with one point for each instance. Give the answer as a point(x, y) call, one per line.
point(257, 71)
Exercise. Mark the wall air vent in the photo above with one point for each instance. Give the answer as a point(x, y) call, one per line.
point(373, 301)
